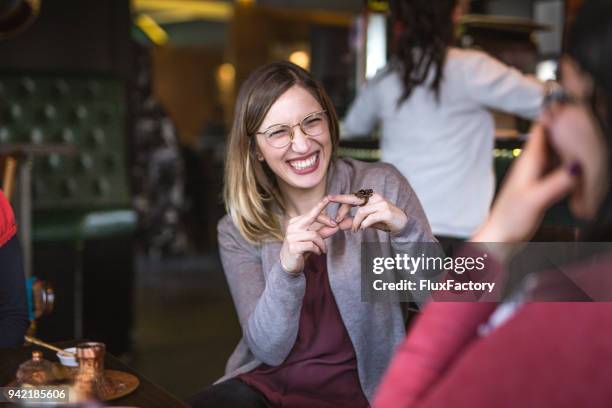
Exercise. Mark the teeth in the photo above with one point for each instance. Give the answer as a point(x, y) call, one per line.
point(303, 164)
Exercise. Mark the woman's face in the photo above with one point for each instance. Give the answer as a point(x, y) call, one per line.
point(302, 164)
point(578, 140)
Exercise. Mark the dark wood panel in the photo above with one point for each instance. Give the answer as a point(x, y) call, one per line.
point(72, 36)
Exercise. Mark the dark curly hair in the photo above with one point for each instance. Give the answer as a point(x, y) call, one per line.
point(424, 30)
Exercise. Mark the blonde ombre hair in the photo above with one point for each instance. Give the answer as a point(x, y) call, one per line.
point(251, 190)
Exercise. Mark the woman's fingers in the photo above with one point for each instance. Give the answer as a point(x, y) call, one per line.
point(375, 220)
point(533, 158)
point(346, 224)
point(350, 199)
point(318, 241)
point(326, 232)
point(326, 220)
point(309, 236)
point(343, 210)
point(362, 213)
point(310, 217)
point(553, 187)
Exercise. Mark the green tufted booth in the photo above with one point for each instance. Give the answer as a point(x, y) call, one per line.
point(84, 195)
point(77, 199)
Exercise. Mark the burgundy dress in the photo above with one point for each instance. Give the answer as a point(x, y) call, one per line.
point(321, 369)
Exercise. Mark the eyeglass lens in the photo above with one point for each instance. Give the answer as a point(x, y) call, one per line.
point(282, 135)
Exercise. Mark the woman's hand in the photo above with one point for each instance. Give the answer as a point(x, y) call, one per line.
point(377, 213)
point(305, 234)
point(526, 194)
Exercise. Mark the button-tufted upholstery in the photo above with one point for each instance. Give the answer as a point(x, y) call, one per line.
point(86, 112)
point(89, 113)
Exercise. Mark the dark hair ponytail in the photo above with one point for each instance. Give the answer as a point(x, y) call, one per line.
point(424, 31)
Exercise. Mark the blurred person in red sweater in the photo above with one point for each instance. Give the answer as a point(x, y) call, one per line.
point(539, 354)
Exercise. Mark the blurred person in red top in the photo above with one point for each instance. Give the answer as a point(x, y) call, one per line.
point(544, 354)
point(13, 301)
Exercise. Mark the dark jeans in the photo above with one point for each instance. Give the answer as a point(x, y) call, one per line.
point(228, 394)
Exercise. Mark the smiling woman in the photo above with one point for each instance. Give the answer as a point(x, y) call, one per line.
point(290, 247)
point(271, 99)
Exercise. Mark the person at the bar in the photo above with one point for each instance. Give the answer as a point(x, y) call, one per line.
point(541, 354)
point(291, 253)
point(13, 302)
point(432, 101)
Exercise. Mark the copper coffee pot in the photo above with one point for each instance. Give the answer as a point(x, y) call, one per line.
point(90, 383)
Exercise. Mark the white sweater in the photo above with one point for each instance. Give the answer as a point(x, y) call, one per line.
point(445, 149)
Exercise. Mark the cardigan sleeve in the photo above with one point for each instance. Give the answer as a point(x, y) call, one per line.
point(13, 300)
point(268, 305)
point(399, 192)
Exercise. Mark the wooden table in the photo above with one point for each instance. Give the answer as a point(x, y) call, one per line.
point(147, 395)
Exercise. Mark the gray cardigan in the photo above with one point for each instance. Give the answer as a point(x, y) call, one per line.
point(268, 299)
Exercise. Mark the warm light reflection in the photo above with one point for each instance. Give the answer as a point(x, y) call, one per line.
point(301, 59)
point(226, 79)
point(151, 29)
point(226, 74)
point(171, 11)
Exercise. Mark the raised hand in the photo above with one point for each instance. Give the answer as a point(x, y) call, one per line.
point(528, 191)
point(305, 234)
point(377, 213)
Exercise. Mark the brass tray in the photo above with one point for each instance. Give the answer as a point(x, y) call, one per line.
point(122, 383)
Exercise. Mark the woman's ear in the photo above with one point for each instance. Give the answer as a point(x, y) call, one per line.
point(255, 149)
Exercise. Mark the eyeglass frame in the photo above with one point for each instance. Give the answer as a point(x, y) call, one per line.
point(291, 131)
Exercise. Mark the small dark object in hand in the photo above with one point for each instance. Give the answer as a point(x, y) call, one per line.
point(364, 194)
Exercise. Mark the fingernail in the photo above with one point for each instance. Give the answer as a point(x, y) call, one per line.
point(575, 169)
point(334, 223)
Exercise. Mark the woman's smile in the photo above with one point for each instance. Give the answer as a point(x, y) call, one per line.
point(305, 164)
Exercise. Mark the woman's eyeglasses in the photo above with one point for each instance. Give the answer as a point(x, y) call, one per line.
point(279, 136)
